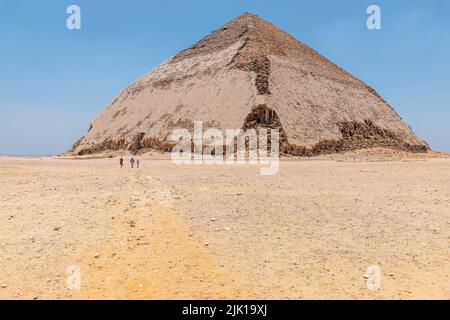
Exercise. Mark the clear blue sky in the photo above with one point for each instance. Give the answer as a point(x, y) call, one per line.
point(53, 81)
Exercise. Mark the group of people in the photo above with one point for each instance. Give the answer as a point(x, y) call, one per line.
point(132, 162)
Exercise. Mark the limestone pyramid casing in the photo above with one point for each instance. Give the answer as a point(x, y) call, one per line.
point(246, 74)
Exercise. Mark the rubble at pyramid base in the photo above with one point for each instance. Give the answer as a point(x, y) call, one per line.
point(355, 136)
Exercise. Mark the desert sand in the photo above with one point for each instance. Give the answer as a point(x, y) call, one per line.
point(210, 232)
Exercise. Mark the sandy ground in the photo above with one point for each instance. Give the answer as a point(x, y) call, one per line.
point(212, 232)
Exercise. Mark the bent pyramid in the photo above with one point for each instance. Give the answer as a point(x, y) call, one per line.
point(250, 74)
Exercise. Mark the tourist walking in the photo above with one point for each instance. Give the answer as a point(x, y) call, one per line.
point(121, 162)
point(132, 163)
point(138, 162)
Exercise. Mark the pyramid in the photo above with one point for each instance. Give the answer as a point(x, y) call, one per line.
point(250, 74)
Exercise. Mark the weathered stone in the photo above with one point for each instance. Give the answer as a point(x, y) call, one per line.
point(249, 74)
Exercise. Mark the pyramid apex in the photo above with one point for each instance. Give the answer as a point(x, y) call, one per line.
point(246, 18)
point(248, 15)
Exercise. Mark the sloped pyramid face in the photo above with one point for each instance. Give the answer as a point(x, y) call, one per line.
point(250, 74)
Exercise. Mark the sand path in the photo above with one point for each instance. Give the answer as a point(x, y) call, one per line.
point(116, 226)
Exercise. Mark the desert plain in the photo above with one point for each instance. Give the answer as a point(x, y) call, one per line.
point(167, 231)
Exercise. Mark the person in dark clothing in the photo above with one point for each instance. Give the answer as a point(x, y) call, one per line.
point(132, 163)
point(121, 162)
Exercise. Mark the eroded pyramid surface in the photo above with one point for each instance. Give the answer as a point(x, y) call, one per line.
point(250, 74)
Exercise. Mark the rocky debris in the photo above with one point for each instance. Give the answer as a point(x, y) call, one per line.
point(156, 144)
point(355, 136)
point(264, 117)
point(106, 145)
point(76, 144)
point(367, 130)
point(144, 144)
point(135, 143)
